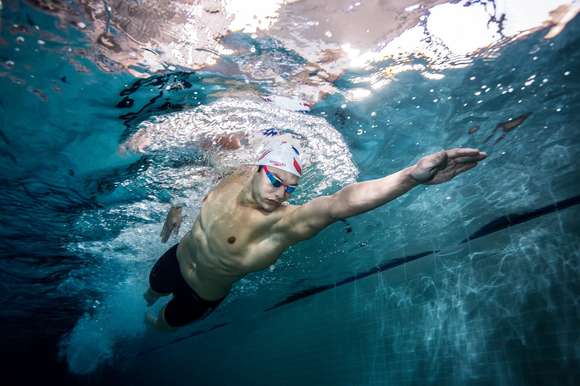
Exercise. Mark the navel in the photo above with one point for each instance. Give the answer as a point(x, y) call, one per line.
point(232, 240)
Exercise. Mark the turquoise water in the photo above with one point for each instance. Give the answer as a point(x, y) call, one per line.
point(472, 282)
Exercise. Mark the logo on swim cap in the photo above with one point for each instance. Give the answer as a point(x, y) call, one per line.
point(264, 153)
point(270, 132)
point(281, 154)
point(297, 166)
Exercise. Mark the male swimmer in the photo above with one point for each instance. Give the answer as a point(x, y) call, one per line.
point(245, 223)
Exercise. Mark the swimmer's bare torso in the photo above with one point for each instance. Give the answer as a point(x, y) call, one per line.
point(229, 239)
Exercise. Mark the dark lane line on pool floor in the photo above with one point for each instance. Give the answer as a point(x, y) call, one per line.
point(492, 227)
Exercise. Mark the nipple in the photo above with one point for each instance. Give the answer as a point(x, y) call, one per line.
point(232, 240)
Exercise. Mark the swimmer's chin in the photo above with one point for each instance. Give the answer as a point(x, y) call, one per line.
point(270, 205)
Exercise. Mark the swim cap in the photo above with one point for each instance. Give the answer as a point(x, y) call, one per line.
point(281, 154)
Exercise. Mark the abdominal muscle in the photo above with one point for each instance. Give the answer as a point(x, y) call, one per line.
point(211, 264)
point(202, 271)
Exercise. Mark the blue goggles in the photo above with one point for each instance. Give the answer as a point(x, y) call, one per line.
point(277, 183)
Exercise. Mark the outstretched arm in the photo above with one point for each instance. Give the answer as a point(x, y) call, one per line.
point(305, 221)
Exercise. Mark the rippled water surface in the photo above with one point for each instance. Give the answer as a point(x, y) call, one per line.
point(111, 109)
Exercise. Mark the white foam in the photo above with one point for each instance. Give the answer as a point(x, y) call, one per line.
point(93, 340)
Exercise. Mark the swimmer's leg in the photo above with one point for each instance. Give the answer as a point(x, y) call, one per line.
point(151, 296)
point(163, 276)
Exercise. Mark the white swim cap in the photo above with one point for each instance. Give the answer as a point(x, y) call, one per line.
point(280, 153)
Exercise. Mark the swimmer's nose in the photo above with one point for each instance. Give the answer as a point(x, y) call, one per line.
point(280, 193)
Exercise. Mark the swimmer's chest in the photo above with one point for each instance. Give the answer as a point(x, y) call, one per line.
point(232, 230)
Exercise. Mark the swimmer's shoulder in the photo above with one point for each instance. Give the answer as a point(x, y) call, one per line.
point(239, 171)
point(234, 176)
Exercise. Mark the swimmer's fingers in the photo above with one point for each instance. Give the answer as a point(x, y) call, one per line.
point(122, 149)
point(163, 229)
point(462, 152)
point(177, 226)
point(164, 237)
point(464, 167)
point(466, 155)
point(166, 231)
point(450, 172)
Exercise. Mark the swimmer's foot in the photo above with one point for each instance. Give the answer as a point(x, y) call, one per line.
point(150, 319)
point(158, 322)
point(151, 297)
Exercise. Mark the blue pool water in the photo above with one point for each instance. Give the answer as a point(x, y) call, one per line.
point(474, 282)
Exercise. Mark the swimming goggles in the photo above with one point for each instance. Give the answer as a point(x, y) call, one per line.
point(277, 182)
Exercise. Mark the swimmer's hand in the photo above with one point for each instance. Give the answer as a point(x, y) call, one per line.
point(138, 143)
point(444, 165)
point(172, 223)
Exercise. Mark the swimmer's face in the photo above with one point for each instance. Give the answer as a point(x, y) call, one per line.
point(268, 196)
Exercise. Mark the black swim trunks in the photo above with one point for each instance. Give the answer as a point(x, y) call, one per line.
point(186, 305)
